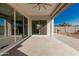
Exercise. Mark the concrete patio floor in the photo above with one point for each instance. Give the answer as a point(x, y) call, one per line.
point(43, 46)
point(8, 41)
point(71, 41)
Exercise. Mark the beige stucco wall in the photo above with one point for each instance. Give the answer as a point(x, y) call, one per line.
point(29, 27)
point(67, 29)
point(50, 24)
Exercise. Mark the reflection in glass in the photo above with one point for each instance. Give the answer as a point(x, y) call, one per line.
point(7, 37)
point(39, 27)
point(1, 27)
point(6, 15)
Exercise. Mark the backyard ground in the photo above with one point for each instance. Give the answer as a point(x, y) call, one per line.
point(75, 35)
point(43, 46)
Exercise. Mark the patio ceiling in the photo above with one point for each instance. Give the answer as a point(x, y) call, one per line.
point(27, 9)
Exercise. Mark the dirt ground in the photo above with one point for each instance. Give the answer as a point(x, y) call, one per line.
point(71, 35)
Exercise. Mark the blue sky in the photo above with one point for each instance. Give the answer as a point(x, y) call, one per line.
point(69, 15)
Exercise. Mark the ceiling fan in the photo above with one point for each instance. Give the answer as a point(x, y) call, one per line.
point(41, 5)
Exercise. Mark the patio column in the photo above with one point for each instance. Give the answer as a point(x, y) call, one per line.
point(23, 27)
point(29, 27)
point(14, 25)
point(50, 27)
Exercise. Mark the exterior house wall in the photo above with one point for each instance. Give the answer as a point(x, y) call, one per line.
point(50, 22)
point(50, 25)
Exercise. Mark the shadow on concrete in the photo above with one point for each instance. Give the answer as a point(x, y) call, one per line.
point(15, 52)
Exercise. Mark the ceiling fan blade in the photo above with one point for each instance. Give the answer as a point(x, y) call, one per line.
point(35, 6)
point(44, 6)
point(47, 4)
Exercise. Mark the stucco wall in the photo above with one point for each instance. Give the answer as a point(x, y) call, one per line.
point(70, 29)
point(49, 24)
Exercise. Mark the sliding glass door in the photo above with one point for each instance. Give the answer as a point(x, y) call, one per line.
point(2, 27)
point(39, 27)
point(19, 26)
point(35, 25)
point(13, 26)
point(25, 27)
point(6, 14)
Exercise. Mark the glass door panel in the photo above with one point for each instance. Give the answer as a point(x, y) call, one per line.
point(1, 27)
point(19, 27)
point(35, 25)
point(43, 29)
point(39, 27)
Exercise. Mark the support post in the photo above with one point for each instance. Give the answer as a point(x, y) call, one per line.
point(50, 27)
point(23, 27)
point(14, 25)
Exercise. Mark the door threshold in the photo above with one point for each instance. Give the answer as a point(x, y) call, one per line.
point(40, 35)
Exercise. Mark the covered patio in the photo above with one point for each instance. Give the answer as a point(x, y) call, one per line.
point(44, 46)
point(31, 29)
